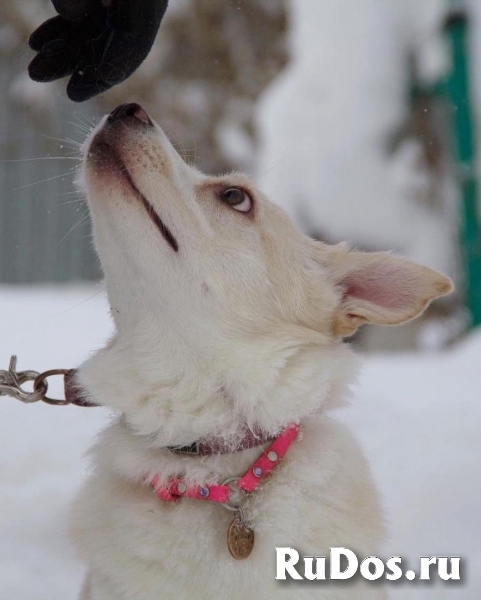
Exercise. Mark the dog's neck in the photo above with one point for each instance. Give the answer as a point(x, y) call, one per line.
point(176, 403)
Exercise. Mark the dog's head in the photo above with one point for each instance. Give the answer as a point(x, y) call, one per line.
point(205, 275)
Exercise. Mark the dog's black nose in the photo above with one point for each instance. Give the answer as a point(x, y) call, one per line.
point(129, 110)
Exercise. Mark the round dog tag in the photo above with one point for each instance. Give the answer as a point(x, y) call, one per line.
point(240, 539)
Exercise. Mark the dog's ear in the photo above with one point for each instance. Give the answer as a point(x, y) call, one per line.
point(379, 288)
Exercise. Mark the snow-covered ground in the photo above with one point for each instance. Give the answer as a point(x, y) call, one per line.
point(418, 416)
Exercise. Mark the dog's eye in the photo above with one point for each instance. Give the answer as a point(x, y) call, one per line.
point(237, 198)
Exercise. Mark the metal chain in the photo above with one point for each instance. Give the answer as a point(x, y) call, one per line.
point(11, 382)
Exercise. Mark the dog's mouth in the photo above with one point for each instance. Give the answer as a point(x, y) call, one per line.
point(105, 151)
point(154, 217)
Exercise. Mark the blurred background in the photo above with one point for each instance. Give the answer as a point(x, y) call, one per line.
point(362, 119)
point(360, 122)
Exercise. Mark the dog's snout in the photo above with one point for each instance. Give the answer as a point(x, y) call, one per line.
point(133, 110)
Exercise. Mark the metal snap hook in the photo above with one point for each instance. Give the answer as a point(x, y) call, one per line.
point(234, 503)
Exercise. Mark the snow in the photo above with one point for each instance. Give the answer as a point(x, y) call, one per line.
point(418, 417)
point(327, 124)
point(42, 447)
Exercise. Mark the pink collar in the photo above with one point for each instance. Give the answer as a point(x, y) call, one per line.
point(177, 488)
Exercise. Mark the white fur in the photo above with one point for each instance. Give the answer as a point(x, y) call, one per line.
point(243, 325)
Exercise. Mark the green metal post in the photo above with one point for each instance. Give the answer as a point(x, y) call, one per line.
point(458, 89)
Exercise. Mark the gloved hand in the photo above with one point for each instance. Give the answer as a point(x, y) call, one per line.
point(98, 42)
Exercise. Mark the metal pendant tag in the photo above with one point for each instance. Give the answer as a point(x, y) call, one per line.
point(240, 539)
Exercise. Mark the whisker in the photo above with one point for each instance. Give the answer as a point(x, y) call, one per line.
point(101, 290)
point(65, 141)
point(79, 223)
point(276, 165)
point(40, 158)
point(88, 119)
point(71, 193)
point(74, 201)
point(81, 128)
point(22, 187)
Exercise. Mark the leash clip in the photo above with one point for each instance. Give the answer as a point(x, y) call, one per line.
point(12, 381)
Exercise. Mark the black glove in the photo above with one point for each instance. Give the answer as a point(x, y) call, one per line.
point(98, 42)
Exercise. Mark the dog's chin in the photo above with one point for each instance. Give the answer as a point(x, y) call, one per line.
point(105, 166)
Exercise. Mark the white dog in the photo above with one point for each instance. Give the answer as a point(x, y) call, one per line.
point(229, 327)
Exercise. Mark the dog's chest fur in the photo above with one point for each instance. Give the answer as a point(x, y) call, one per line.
point(321, 496)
